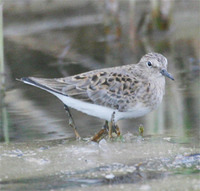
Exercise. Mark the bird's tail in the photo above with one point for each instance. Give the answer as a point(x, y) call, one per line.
point(50, 85)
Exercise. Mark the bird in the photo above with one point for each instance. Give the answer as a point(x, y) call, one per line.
point(111, 94)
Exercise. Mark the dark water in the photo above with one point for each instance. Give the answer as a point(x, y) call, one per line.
point(64, 43)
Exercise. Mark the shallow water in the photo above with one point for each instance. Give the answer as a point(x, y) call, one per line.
point(71, 164)
point(43, 153)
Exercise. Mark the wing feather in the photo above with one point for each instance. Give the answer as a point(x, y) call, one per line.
point(111, 88)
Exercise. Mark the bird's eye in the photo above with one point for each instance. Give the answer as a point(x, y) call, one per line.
point(149, 64)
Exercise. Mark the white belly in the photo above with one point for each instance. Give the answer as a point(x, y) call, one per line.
point(102, 111)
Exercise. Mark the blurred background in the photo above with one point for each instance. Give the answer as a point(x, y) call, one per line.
point(52, 39)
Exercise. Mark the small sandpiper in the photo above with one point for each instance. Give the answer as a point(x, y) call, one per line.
point(112, 94)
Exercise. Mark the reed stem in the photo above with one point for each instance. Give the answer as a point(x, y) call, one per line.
point(4, 114)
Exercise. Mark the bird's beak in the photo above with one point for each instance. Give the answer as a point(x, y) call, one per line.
point(165, 73)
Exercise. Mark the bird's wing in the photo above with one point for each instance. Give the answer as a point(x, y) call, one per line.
point(112, 89)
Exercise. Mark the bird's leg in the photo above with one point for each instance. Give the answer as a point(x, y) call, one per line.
point(111, 125)
point(116, 130)
point(98, 136)
point(71, 121)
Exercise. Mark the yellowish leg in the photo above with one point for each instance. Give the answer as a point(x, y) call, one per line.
point(110, 130)
point(98, 136)
point(111, 125)
point(117, 131)
point(71, 122)
point(108, 127)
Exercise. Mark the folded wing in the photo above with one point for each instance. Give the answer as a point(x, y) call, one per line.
point(110, 89)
